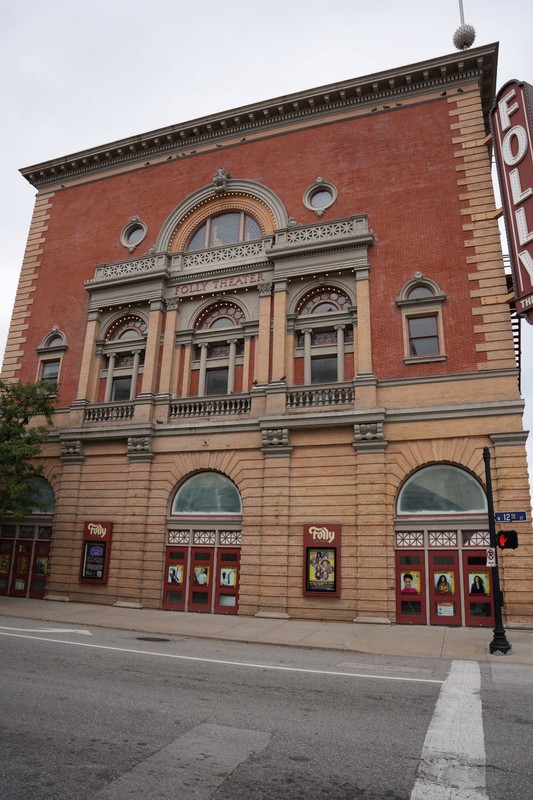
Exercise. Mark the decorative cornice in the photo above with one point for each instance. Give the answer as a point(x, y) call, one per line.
point(378, 90)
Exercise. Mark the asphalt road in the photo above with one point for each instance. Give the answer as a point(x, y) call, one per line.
point(107, 715)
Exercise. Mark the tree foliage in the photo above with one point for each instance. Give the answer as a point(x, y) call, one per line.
point(21, 441)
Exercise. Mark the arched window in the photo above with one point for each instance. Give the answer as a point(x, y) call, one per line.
point(51, 353)
point(420, 301)
point(442, 489)
point(124, 346)
point(324, 332)
point(222, 229)
point(207, 493)
point(42, 496)
point(219, 350)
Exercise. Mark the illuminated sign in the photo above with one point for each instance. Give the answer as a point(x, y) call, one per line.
point(512, 133)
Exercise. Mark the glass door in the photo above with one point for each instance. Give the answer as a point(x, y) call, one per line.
point(40, 570)
point(174, 582)
point(201, 579)
point(6, 555)
point(477, 578)
point(20, 577)
point(227, 581)
point(444, 588)
point(410, 587)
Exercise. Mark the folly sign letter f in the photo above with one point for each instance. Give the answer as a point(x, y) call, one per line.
point(512, 134)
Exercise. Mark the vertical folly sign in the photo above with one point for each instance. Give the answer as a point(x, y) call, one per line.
point(512, 133)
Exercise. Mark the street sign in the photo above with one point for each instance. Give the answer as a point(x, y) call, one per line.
point(510, 516)
point(491, 557)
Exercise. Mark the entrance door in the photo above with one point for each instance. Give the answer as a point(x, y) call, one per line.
point(444, 588)
point(6, 555)
point(479, 604)
point(20, 577)
point(410, 587)
point(227, 581)
point(39, 571)
point(201, 579)
point(175, 581)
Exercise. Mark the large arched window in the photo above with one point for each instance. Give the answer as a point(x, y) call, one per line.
point(207, 493)
point(222, 229)
point(442, 489)
point(324, 334)
point(42, 496)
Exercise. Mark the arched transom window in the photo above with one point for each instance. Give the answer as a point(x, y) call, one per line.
point(442, 489)
point(207, 493)
point(229, 227)
point(224, 315)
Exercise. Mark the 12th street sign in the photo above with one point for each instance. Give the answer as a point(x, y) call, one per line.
point(510, 516)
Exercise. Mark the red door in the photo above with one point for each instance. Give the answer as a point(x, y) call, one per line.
point(227, 581)
point(40, 569)
point(175, 582)
point(410, 587)
point(201, 579)
point(444, 588)
point(6, 556)
point(479, 604)
point(20, 577)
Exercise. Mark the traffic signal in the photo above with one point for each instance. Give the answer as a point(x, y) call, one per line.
point(507, 540)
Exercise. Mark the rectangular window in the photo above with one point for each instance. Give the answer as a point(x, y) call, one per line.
point(50, 370)
point(216, 381)
point(121, 389)
point(324, 369)
point(423, 336)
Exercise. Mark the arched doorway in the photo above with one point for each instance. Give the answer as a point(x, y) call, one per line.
point(25, 546)
point(441, 536)
point(202, 561)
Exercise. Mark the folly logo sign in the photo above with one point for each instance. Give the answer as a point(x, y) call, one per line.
point(512, 133)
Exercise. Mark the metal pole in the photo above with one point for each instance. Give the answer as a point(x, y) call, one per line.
point(499, 642)
point(461, 12)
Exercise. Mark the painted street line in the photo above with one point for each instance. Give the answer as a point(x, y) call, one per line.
point(453, 756)
point(45, 630)
point(275, 668)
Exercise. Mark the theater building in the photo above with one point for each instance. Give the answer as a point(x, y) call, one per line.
point(283, 337)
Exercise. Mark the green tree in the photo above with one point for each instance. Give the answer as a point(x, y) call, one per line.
point(20, 442)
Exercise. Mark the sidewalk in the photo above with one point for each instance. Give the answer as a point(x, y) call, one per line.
point(470, 644)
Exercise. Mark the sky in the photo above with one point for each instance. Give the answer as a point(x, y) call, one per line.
point(75, 75)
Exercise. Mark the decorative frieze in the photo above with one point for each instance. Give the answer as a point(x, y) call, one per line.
point(369, 436)
point(140, 448)
point(72, 451)
point(275, 442)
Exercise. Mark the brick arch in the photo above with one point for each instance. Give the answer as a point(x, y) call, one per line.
point(240, 195)
point(210, 208)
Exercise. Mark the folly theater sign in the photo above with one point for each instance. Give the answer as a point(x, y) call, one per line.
point(512, 133)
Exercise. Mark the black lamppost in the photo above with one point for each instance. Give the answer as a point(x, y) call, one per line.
point(499, 642)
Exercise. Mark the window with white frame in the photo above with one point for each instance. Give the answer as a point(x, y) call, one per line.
point(323, 327)
point(218, 348)
point(51, 352)
point(123, 353)
point(421, 303)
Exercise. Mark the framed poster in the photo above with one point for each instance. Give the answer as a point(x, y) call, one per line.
point(410, 582)
point(321, 559)
point(95, 552)
point(479, 583)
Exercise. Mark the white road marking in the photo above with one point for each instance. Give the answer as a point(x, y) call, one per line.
point(453, 756)
point(192, 766)
point(45, 630)
point(227, 663)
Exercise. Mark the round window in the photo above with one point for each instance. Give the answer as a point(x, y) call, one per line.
point(133, 234)
point(319, 196)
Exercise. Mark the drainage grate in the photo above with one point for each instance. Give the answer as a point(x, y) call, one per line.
point(151, 639)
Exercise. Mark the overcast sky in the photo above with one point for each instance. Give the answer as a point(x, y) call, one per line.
point(76, 75)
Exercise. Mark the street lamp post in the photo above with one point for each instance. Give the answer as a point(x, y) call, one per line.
point(499, 642)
